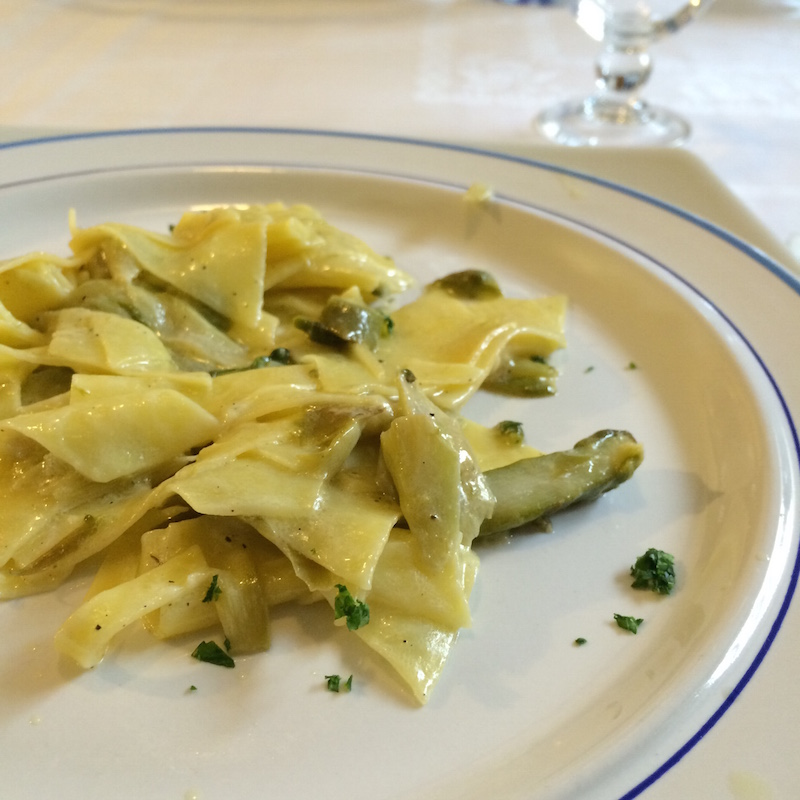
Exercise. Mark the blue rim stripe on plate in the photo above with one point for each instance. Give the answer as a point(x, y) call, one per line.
point(752, 252)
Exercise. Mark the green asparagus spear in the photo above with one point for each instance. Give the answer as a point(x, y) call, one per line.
point(537, 487)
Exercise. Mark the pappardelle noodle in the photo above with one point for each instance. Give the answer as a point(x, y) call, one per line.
point(231, 415)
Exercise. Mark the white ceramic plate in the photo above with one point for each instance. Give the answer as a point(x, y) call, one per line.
point(520, 711)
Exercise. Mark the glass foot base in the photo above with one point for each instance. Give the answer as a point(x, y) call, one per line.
point(599, 121)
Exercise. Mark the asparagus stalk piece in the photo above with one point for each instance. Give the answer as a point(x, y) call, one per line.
point(537, 487)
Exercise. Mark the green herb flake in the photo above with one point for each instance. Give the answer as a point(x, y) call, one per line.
point(335, 684)
point(192, 688)
point(654, 570)
point(355, 612)
point(227, 644)
point(588, 370)
point(212, 653)
point(213, 591)
point(628, 623)
point(631, 365)
point(580, 641)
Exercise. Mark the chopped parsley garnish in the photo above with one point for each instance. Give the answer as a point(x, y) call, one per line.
point(335, 683)
point(655, 570)
point(631, 365)
point(212, 653)
point(510, 431)
point(213, 591)
point(579, 641)
point(192, 688)
point(628, 623)
point(355, 612)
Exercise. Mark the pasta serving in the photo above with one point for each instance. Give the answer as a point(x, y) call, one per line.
point(229, 417)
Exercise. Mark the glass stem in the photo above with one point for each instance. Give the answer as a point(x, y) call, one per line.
point(620, 72)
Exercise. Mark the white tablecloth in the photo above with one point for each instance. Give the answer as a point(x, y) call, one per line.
point(458, 70)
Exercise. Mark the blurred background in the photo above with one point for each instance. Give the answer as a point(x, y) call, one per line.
point(474, 71)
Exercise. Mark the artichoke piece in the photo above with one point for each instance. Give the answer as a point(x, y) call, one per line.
point(45, 382)
point(470, 284)
point(523, 377)
point(194, 333)
point(280, 356)
point(443, 494)
point(533, 488)
point(318, 333)
point(344, 320)
point(354, 322)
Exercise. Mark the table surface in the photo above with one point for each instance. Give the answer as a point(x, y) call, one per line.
point(465, 71)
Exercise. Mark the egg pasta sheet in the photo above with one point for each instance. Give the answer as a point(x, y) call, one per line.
point(228, 416)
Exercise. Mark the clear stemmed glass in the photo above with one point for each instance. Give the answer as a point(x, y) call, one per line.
point(615, 114)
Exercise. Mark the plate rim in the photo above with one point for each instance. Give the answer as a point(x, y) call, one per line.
point(765, 260)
